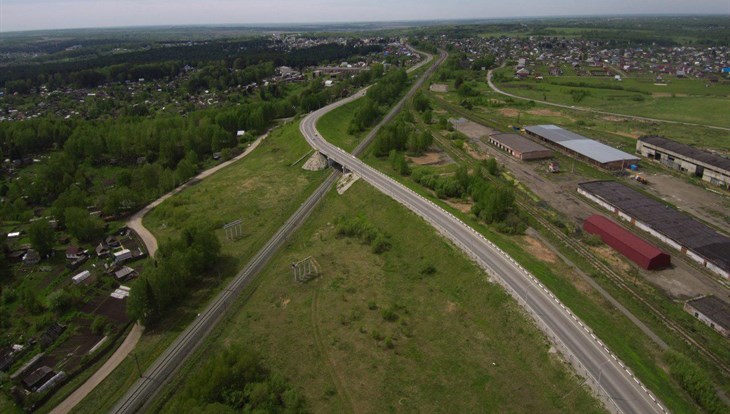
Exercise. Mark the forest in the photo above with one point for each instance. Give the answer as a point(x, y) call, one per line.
point(167, 62)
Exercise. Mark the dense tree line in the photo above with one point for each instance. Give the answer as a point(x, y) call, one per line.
point(401, 135)
point(378, 98)
point(236, 381)
point(180, 263)
point(494, 201)
point(167, 62)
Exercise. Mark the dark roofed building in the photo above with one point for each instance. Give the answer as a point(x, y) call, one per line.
point(701, 243)
point(38, 377)
point(712, 311)
point(520, 147)
point(710, 167)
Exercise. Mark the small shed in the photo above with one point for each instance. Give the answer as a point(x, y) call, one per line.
point(81, 277)
point(31, 257)
point(38, 377)
point(633, 247)
point(122, 255)
point(125, 273)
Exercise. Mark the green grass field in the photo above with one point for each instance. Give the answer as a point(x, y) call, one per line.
point(263, 190)
point(451, 341)
point(682, 100)
point(334, 126)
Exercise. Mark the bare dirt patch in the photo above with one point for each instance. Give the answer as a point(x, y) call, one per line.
point(475, 153)
point(538, 249)
point(439, 87)
point(612, 258)
point(509, 112)
point(668, 95)
point(632, 134)
point(451, 306)
point(472, 129)
point(431, 158)
point(544, 112)
point(463, 206)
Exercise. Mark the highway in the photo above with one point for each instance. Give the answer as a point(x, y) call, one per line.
point(603, 371)
point(145, 388)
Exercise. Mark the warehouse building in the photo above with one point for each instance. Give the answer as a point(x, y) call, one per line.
point(583, 148)
point(710, 167)
point(520, 147)
point(712, 311)
point(639, 251)
point(700, 242)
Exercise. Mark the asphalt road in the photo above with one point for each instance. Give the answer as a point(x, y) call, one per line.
point(621, 391)
point(595, 111)
point(144, 389)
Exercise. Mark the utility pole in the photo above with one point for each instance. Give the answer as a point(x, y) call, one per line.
point(139, 371)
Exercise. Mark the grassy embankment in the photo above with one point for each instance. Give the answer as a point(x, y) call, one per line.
point(335, 126)
point(263, 190)
point(417, 327)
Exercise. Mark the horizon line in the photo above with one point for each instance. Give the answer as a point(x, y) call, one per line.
point(265, 25)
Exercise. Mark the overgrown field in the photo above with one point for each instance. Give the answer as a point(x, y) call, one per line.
point(414, 328)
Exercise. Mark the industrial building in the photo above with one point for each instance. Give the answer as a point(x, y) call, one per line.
point(583, 148)
point(710, 167)
point(700, 242)
point(639, 251)
point(520, 147)
point(712, 311)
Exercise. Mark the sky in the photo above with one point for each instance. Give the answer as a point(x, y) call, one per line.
point(20, 15)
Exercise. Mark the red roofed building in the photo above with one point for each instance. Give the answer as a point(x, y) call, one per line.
point(639, 251)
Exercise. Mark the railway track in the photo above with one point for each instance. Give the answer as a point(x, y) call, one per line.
point(611, 274)
point(619, 281)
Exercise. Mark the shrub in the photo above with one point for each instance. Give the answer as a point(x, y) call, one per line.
point(389, 314)
point(695, 381)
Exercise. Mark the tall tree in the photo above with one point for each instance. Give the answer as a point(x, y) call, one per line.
point(41, 236)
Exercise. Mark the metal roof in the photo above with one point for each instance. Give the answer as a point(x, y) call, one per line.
point(677, 226)
point(632, 241)
point(587, 147)
point(518, 143)
point(691, 153)
point(713, 308)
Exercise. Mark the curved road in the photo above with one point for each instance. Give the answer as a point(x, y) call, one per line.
point(145, 388)
point(595, 111)
point(612, 380)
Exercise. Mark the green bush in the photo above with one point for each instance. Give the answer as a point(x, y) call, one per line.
point(695, 381)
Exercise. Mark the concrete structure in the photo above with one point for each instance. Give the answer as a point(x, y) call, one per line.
point(583, 148)
point(639, 251)
point(712, 311)
point(710, 167)
point(520, 147)
point(701, 243)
